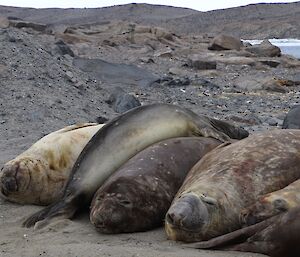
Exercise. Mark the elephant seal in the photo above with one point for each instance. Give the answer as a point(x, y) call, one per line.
point(137, 196)
point(277, 236)
point(272, 204)
point(230, 178)
point(118, 141)
point(39, 174)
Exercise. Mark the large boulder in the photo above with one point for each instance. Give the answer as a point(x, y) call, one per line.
point(264, 49)
point(292, 119)
point(225, 42)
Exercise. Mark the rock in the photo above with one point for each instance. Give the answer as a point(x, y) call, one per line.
point(206, 83)
point(169, 81)
point(273, 122)
point(271, 63)
point(225, 42)
point(101, 119)
point(4, 23)
point(249, 119)
point(292, 119)
point(161, 33)
point(121, 101)
point(116, 73)
point(276, 85)
point(168, 53)
point(264, 49)
point(261, 82)
point(26, 24)
point(62, 48)
point(201, 63)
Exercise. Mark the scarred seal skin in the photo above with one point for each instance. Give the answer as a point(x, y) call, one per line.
point(118, 141)
point(230, 178)
point(137, 196)
point(277, 236)
point(38, 175)
point(272, 204)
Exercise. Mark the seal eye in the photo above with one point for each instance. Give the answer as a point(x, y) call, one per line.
point(125, 202)
point(208, 200)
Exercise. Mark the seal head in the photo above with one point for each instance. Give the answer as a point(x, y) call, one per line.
point(190, 216)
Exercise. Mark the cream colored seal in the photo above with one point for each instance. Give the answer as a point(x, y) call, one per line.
point(38, 175)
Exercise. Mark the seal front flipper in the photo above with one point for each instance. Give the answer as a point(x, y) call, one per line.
point(60, 209)
point(231, 240)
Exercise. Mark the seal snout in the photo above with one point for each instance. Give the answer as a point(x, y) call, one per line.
point(188, 213)
point(8, 179)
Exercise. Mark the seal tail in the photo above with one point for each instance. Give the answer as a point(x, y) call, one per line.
point(231, 240)
point(59, 210)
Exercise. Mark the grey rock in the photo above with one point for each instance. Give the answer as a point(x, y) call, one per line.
point(121, 101)
point(264, 49)
point(62, 48)
point(201, 63)
point(225, 42)
point(292, 119)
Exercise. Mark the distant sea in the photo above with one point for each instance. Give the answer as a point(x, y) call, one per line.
point(287, 45)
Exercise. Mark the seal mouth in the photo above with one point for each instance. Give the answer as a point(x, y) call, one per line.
point(9, 183)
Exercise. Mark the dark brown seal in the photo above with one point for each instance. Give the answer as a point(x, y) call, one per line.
point(272, 204)
point(277, 237)
point(137, 196)
point(230, 178)
point(118, 141)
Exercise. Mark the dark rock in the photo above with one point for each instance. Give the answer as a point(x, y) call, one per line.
point(201, 63)
point(206, 83)
point(264, 49)
point(121, 101)
point(101, 119)
point(271, 63)
point(225, 42)
point(26, 24)
point(292, 119)
point(170, 81)
point(115, 73)
point(62, 48)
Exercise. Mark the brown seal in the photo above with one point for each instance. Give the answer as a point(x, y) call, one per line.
point(272, 204)
point(277, 236)
point(38, 175)
point(118, 141)
point(230, 178)
point(137, 196)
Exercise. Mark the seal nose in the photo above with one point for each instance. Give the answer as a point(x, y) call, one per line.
point(187, 213)
point(8, 184)
point(176, 217)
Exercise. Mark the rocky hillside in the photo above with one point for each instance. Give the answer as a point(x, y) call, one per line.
point(251, 21)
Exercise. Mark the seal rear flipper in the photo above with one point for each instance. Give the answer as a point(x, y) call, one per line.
point(57, 210)
point(230, 240)
point(228, 129)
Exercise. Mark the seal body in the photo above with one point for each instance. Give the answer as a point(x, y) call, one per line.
point(272, 204)
point(276, 237)
point(38, 175)
point(137, 196)
point(230, 178)
point(118, 141)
